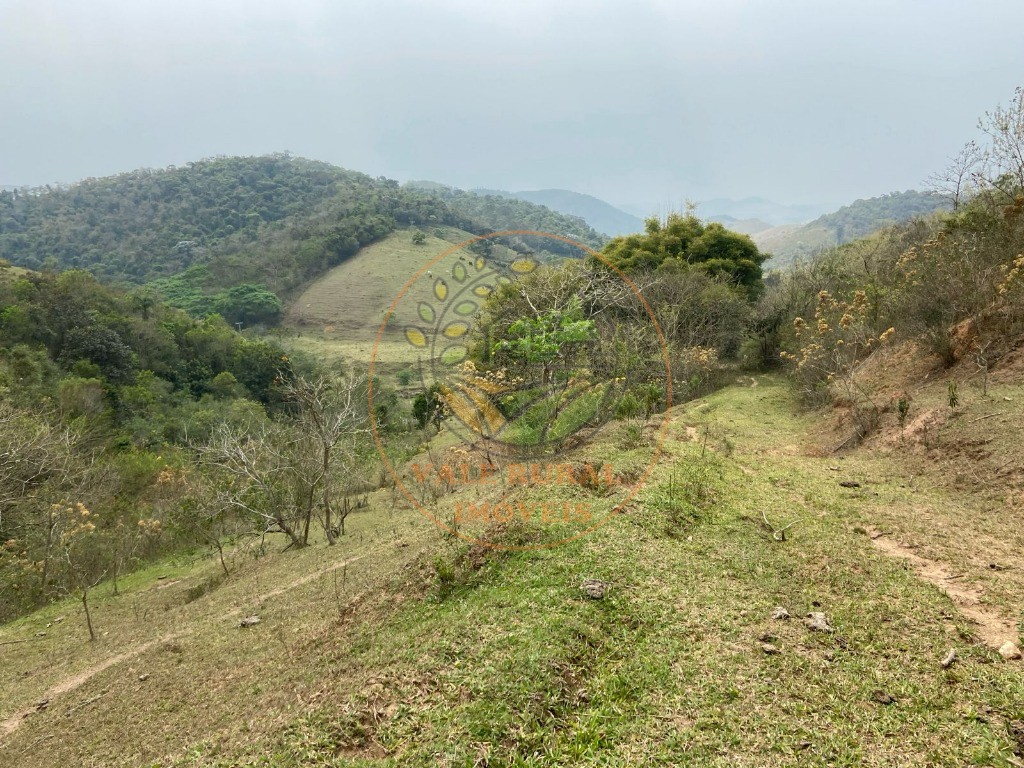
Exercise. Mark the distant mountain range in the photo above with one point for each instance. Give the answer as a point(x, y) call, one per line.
point(775, 214)
point(602, 216)
point(750, 209)
point(282, 220)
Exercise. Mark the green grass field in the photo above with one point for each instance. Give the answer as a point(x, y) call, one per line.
point(338, 316)
point(405, 646)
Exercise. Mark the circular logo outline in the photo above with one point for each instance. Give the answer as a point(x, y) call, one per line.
point(393, 471)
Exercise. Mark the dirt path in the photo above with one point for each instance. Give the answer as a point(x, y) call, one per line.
point(278, 591)
point(994, 629)
point(72, 683)
point(69, 684)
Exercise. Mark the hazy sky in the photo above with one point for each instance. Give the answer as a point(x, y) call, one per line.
point(644, 102)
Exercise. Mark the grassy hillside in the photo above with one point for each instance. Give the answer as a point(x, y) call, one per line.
point(339, 314)
point(791, 242)
point(403, 647)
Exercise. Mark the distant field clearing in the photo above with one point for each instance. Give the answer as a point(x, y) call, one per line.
point(339, 315)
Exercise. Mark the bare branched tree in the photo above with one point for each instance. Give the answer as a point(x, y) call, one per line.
point(1004, 158)
point(32, 453)
point(252, 470)
point(330, 420)
point(961, 177)
point(283, 474)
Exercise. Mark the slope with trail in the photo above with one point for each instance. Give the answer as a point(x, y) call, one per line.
point(429, 651)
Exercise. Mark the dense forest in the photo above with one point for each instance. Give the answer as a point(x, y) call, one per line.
point(233, 235)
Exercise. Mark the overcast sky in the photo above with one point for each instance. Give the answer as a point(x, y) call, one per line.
point(644, 102)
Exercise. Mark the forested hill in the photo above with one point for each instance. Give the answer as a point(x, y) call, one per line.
point(859, 219)
point(500, 210)
point(274, 221)
point(863, 217)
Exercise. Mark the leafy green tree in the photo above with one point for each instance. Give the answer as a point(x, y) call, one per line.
point(687, 241)
point(551, 338)
point(248, 304)
point(102, 346)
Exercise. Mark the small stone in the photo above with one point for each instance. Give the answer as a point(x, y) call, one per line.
point(767, 637)
point(594, 589)
point(40, 706)
point(143, 678)
point(770, 649)
point(883, 698)
point(1009, 651)
point(780, 613)
point(950, 658)
point(818, 622)
point(250, 621)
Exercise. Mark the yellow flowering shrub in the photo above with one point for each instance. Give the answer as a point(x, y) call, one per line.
point(830, 346)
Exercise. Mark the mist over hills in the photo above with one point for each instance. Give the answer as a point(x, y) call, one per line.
point(768, 211)
point(723, 209)
point(281, 220)
point(602, 216)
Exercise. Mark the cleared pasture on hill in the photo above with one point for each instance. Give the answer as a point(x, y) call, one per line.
point(339, 315)
point(425, 651)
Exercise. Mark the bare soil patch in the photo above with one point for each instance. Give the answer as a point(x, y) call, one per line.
point(994, 629)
